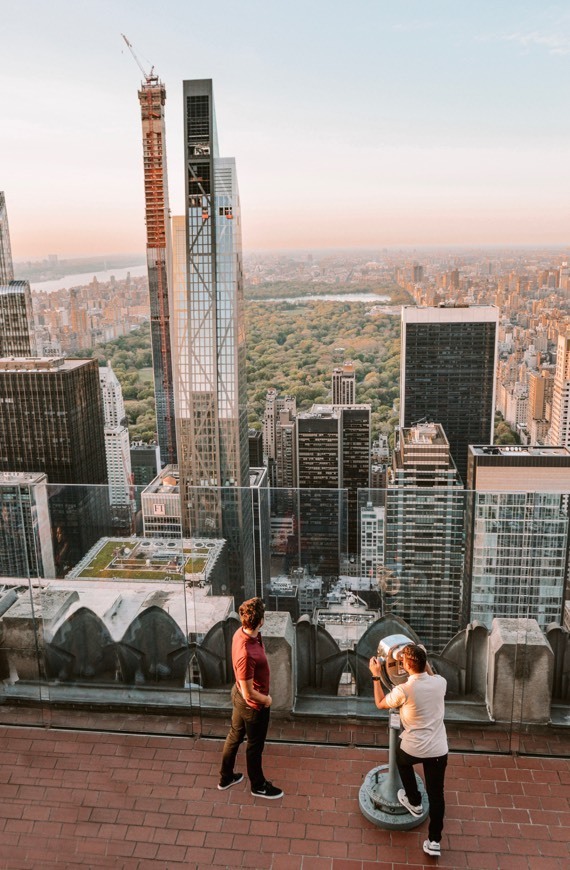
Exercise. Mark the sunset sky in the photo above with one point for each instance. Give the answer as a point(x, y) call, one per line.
point(361, 124)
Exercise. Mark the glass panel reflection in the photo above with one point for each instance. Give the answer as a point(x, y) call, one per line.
point(110, 620)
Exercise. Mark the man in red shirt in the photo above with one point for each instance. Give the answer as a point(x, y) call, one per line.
point(251, 704)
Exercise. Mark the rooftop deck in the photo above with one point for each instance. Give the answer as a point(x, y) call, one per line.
point(91, 799)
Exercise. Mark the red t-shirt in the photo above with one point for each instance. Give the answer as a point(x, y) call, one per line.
point(250, 663)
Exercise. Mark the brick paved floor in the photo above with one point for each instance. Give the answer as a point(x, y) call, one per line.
point(86, 799)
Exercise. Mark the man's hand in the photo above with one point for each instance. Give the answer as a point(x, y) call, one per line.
point(269, 701)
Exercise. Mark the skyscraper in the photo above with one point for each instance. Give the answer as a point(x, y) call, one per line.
point(25, 533)
point(517, 533)
point(344, 384)
point(152, 97)
point(560, 424)
point(448, 373)
point(51, 421)
point(6, 270)
point(274, 404)
point(209, 346)
point(16, 320)
point(422, 580)
point(333, 453)
point(117, 445)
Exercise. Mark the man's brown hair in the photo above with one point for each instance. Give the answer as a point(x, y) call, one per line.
point(252, 612)
point(416, 656)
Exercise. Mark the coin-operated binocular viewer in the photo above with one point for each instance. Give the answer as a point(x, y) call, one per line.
point(378, 798)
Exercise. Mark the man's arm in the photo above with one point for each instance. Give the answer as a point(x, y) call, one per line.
point(251, 694)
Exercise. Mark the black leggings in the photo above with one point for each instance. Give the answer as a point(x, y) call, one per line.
point(434, 772)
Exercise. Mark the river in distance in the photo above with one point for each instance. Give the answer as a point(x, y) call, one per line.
point(84, 278)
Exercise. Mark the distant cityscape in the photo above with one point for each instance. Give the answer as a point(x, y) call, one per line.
point(439, 522)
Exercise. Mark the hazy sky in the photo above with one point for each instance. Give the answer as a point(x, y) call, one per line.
point(363, 123)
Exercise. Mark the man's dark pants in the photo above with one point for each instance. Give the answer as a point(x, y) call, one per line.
point(254, 724)
point(434, 772)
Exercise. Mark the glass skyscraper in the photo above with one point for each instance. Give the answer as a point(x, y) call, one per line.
point(209, 345)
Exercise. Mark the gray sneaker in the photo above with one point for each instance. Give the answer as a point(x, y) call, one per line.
point(415, 811)
point(432, 848)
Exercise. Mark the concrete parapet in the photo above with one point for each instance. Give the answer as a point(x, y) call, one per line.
point(23, 625)
point(279, 640)
point(519, 672)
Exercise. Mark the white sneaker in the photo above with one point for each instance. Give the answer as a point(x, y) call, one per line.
point(415, 811)
point(432, 848)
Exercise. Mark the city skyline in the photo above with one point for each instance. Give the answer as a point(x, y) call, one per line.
point(446, 124)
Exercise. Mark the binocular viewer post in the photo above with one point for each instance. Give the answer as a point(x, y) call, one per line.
point(378, 797)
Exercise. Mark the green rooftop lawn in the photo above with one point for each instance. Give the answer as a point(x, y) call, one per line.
point(195, 565)
point(99, 566)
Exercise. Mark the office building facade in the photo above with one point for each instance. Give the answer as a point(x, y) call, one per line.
point(51, 421)
point(274, 406)
point(559, 433)
point(117, 451)
point(152, 98)
point(422, 581)
point(448, 365)
point(344, 384)
point(26, 548)
point(333, 453)
point(517, 533)
point(17, 336)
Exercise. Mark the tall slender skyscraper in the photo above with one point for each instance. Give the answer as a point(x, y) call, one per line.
point(117, 446)
point(448, 367)
point(152, 97)
point(209, 346)
point(6, 270)
point(16, 320)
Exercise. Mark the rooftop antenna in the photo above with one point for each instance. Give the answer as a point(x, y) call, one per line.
point(150, 76)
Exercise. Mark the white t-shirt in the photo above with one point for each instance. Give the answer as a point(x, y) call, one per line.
point(422, 707)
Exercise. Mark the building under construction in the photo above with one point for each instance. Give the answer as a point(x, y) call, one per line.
point(152, 97)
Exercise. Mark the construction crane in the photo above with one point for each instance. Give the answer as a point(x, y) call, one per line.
point(150, 76)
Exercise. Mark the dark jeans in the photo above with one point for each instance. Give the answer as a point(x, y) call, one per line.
point(434, 772)
point(254, 724)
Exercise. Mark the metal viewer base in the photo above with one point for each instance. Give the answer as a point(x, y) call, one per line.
point(379, 803)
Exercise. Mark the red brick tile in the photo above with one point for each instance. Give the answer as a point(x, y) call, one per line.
point(287, 862)
point(171, 853)
point(145, 850)
point(164, 835)
point(257, 860)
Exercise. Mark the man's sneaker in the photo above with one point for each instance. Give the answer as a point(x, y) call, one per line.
point(432, 848)
point(415, 811)
point(267, 790)
point(236, 777)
